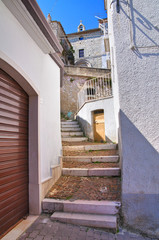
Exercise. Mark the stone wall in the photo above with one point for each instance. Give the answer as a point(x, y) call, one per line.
point(71, 87)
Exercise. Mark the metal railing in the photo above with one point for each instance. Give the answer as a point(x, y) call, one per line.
point(95, 88)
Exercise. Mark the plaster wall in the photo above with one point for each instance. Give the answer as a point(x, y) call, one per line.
point(44, 77)
point(85, 118)
point(134, 41)
point(69, 94)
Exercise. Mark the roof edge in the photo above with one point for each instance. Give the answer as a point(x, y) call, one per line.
point(38, 16)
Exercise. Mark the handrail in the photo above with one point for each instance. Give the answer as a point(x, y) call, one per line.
point(95, 88)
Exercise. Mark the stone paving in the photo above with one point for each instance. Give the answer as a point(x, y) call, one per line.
point(44, 229)
point(86, 188)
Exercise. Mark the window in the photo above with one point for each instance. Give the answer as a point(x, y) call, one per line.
point(81, 28)
point(81, 38)
point(81, 53)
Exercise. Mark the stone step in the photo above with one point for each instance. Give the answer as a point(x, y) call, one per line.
point(75, 129)
point(90, 220)
point(89, 159)
point(74, 139)
point(69, 122)
point(67, 134)
point(70, 126)
point(91, 172)
point(81, 206)
point(90, 147)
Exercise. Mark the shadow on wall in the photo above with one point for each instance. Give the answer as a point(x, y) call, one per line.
point(143, 33)
point(140, 179)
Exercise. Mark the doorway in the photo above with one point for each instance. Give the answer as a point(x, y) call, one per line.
point(99, 126)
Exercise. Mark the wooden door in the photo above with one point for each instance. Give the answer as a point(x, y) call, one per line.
point(99, 126)
point(13, 152)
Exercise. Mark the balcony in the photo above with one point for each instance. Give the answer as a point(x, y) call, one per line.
point(95, 89)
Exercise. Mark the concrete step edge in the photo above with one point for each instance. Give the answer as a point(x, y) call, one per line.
point(90, 147)
point(90, 172)
point(81, 206)
point(89, 159)
point(70, 129)
point(71, 133)
point(70, 126)
point(90, 220)
point(75, 139)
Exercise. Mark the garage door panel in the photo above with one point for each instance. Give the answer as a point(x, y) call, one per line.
point(15, 217)
point(12, 89)
point(12, 135)
point(12, 116)
point(11, 95)
point(13, 109)
point(13, 156)
point(13, 152)
point(9, 186)
point(10, 205)
point(13, 177)
point(7, 201)
point(13, 102)
point(13, 170)
point(8, 143)
point(13, 129)
point(13, 163)
point(13, 149)
point(13, 122)
point(9, 80)
point(13, 192)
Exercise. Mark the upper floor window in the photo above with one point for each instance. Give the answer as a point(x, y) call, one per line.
point(81, 38)
point(81, 53)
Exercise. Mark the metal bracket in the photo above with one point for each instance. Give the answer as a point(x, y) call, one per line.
point(117, 6)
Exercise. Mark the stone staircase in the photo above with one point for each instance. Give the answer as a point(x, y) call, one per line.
point(71, 132)
point(88, 192)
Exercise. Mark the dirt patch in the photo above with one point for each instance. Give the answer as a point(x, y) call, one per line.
point(72, 164)
point(91, 153)
point(86, 188)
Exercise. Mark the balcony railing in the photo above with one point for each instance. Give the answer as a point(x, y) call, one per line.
point(95, 88)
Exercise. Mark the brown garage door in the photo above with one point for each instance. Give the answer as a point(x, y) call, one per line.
point(13, 152)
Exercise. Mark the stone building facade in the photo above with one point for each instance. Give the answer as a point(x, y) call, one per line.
point(67, 54)
point(91, 46)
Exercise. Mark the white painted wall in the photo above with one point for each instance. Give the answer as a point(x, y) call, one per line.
point(134, 41)
point(85, 118)
point(44, 76)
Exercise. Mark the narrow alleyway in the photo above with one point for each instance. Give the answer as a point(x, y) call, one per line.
point(90, 182)
point(90, 186)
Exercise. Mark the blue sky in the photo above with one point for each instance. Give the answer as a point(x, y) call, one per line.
point(70, 12)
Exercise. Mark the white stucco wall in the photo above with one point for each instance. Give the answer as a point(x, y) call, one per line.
point(44, 76)
point(134, 41)
point(85, 118)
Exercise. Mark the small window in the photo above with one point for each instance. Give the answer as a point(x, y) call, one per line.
point(80, 38)
point(81, 53)
point(81, 28)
